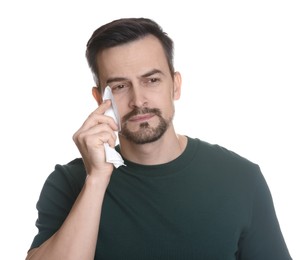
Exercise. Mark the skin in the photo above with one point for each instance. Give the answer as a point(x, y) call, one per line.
point(139, 76)
point(131, 67)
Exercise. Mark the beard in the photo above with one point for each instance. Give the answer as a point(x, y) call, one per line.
point(145, 133)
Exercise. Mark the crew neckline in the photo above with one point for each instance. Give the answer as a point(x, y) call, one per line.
point(165, 169)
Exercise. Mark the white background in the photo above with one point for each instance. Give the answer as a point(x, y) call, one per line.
point(240, 63)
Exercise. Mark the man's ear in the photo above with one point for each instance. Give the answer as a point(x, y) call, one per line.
point(97, 95)
point(177, 85)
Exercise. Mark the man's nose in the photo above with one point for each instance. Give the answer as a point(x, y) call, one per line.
point(137, 98)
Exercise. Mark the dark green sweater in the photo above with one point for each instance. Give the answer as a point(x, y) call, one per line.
point(207, 204)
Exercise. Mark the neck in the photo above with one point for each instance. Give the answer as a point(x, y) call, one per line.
point(164, 150)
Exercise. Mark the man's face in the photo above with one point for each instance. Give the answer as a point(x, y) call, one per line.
point(143, 88)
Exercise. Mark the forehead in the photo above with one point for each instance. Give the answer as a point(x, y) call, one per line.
point(134, 58)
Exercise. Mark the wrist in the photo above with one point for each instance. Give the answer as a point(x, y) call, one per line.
point(97, 180)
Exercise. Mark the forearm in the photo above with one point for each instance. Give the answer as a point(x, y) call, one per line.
point(77, 237)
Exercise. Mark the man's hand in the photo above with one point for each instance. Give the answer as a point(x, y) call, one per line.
point(95, 131)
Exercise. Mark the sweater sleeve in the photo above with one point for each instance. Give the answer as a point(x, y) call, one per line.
point(263, 239)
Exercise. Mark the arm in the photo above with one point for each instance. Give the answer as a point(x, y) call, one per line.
point(263, 238)
point(77, 237)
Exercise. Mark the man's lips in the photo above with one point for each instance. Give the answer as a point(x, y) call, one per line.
point(141, 117)
point(141, 114)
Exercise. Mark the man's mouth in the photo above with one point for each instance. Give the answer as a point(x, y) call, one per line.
point(141, 117)
point(141, 114)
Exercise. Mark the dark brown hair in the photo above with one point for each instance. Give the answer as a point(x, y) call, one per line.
point(122, 31)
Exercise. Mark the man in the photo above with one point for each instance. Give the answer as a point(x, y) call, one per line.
point(175, 197)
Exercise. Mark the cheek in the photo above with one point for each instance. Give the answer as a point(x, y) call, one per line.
point(164, 102)
point(123, 107)
point(166, 106)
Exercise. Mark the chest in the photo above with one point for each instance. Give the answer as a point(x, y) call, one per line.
point(160, 219)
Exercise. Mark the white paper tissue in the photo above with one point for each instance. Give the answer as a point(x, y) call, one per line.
point(112, 156)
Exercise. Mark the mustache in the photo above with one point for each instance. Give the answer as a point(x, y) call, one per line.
point(140, 111)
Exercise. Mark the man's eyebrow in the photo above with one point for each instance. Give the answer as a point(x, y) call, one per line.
point(115, 79)
point(145, 75)
point(151, 72)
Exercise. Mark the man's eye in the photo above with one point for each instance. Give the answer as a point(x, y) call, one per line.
point(118, 87)
point(152, 81)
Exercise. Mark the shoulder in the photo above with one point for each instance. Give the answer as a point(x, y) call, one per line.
point(68, 176)
point(216, 150)
point(222, 159)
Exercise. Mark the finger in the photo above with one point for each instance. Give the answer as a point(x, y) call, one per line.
point(96, 130)
point(99, 128)
point(98, 117)
point(102, 131)
point(102, 107)
point(96, 141)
